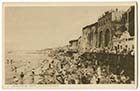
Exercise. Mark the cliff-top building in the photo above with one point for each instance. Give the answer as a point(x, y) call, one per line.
point(89, 37)
point(108, 31)
point(73, 44)
point(108, 24)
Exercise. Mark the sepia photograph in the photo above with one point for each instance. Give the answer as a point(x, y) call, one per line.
point(70, 45)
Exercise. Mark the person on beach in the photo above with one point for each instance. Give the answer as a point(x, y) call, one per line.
point(15, 80)
point(21, 77)
point(33, 77)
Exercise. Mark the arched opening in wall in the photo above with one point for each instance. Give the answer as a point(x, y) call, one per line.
point(107, 37)
point(100, 39)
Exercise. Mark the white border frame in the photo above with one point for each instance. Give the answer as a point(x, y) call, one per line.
point(39, 4)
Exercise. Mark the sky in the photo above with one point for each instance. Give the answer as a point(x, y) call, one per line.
point(35, 28)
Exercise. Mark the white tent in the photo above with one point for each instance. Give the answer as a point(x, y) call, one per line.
point(125, 35)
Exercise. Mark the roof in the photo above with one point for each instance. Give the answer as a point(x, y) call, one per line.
point(105, 14)
point(76, 40)
point(88, 26)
